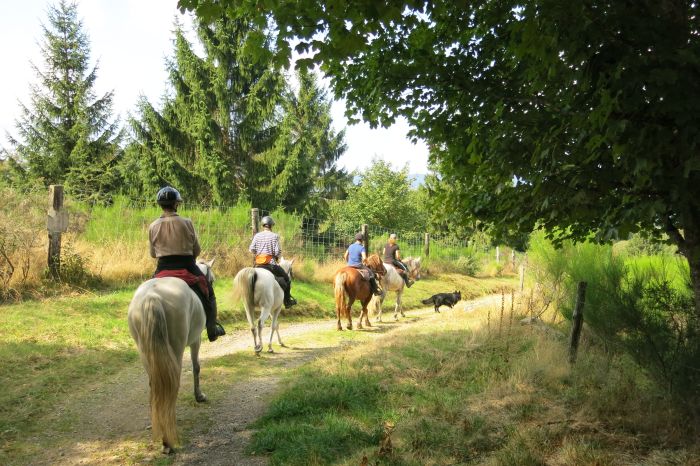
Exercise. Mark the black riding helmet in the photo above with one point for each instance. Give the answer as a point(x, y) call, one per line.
point(168, 196)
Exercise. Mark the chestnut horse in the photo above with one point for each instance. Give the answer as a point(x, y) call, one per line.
point(349, 286)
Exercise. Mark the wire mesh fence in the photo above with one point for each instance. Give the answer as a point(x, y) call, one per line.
point(220, 228)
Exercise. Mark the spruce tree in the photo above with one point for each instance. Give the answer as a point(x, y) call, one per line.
point(303, 174)
point(66, 134)
point(219, 117)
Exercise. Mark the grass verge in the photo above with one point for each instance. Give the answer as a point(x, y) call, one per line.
point(473, 388)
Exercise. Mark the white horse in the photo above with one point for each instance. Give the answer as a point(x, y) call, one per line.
point(257, 287)
point(165, 316)
point(393, 281)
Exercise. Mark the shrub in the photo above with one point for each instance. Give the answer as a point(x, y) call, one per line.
point(75, 268)
point(641, 308)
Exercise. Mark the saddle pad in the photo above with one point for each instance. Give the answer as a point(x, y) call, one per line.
point(188, 277)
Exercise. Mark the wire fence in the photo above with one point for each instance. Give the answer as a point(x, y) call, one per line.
point(232, 227)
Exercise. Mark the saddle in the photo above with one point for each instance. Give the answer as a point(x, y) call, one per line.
point(188, 277)
point(365, 273)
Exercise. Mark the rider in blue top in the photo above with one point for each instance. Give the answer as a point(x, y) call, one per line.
point(356, 255)
point(356, 252)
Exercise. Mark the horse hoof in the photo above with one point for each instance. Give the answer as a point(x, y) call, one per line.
point(202, 398)
point(270, 350)
point(168, 450)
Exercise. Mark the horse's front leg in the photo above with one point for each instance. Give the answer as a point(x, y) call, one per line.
point(381, 304)
point(194, 355)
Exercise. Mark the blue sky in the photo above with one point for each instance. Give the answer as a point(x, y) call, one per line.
point(130, 39)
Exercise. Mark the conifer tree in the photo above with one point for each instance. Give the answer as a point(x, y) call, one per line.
point(302, 163)
point(66, 134)
point(220, 117)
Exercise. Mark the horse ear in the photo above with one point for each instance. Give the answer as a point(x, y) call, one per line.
point(418, 259)
point(291, 262)
point(211, 262)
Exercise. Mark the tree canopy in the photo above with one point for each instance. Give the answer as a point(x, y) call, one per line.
point(230, 128)
point(66, 134)
point(382, 197)
point(577, 117)
point(216, 121)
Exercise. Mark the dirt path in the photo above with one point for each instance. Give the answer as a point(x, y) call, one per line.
point(108, 423)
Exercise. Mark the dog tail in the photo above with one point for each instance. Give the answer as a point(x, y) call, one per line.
point(430, 300)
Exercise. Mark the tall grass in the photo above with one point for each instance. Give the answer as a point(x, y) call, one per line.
point(640, 305)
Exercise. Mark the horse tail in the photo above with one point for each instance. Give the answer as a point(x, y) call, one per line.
point(340, 296)
point(162, 366)
point(244, 289)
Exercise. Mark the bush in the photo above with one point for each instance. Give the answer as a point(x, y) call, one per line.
point(468, 265)
point(641, 308)
point(75, 269)
point(22, 226)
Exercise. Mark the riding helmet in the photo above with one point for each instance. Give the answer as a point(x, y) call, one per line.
point(267, 221)
point(168, 196)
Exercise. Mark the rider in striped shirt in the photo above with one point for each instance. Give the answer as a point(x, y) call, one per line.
point(266, 248)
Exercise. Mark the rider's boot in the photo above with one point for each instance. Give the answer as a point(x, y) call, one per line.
point(288, 300)
point(214, 329)
point(406, 280)
point(374, 287)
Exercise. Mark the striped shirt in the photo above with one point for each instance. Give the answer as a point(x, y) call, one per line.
point(266, 242)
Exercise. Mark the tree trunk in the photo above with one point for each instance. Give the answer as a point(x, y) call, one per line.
point(694, 265)
point(688, 244)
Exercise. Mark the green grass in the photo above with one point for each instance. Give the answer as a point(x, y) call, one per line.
point(50, 348)
point(458, 394)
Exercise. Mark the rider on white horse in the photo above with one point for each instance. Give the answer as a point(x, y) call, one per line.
point(266, 248)
point(392, 255)
point(356, 255)
point(173, 241)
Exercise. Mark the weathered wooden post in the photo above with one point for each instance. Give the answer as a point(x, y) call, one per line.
point(426, 245)
point(56, 224)
point(577, 321)
point(255, 220)
point(364, 229)
point(522, 277)
point(498, 255)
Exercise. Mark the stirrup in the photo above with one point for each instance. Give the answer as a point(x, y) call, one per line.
point(290, 302)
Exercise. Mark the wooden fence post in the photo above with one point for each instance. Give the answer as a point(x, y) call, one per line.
point(498, 255)
point(364, 229)
point(426, 245)
point(522, 277)
point(255, 220)
point(56, 224)
point(577, 321)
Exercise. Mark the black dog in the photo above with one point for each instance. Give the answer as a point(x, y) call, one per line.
point(448, 299)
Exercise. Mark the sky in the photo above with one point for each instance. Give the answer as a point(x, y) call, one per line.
point(130, 40)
